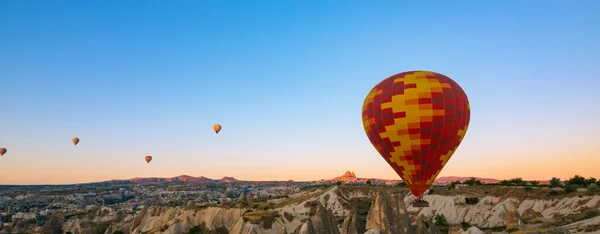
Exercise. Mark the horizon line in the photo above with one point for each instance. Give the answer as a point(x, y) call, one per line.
point(299, 181)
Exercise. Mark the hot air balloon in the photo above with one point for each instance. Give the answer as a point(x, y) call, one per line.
point(148, 158)
point(2, 151)
point(185, 180)
point(416, 120)
point(217, 128)
point(75, 140)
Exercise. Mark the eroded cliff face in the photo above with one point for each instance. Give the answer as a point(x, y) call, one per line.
point(388, 214)
point(345, 211)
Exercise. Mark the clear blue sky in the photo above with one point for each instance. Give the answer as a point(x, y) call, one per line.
point(287, 79)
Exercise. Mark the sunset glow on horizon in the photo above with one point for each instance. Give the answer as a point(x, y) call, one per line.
point(287, 80)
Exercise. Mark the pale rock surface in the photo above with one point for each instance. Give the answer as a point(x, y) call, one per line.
point(389, 215)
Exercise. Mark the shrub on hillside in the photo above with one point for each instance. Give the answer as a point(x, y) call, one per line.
point(592, 188)
point(471, 200)
point(590, 181)
point(569, 188)
point(472, 181)
point(440, 221)
point(577, 180)
point(555, 182)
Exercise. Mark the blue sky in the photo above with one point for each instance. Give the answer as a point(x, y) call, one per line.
point(287, 79)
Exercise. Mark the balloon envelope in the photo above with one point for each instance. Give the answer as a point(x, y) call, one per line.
point(416, 120)
point(75, 140)
point(148, 158)
point(217, 128)
point(2, 151)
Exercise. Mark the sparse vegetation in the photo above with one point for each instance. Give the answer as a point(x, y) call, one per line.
point(221, 230)
point(577, 180)
point(100, 228)
point(513, 182)
point(472, 200)
point(440, 221)
point(555, 182)
point(260, 216)
point(362, 205)
point(569, 188)
point(369, 182)
point(592, 189)
point(472, 181)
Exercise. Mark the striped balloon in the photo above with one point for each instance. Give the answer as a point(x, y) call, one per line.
point(416, 120)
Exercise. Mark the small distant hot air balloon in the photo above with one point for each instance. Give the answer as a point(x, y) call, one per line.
point(217, 128)
point(185, 180)
point(148, 158)
point(75, 140)
point(2, 151)
point(416, 120)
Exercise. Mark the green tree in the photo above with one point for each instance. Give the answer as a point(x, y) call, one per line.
point(401, 184)
point(555, 182)
point(577, 180)
point(369, 182)
point(517, 181)
point(472, 181)
point(590, 180)
point(338, 183)
point(534, 183)
point(505, 183)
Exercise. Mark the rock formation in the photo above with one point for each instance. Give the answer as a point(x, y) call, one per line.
point(388, 214)
point(354, 223)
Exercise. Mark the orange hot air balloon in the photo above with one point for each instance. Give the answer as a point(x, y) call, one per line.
point(217, 128)
point(2, 151)
point(148, 158)
point(185, 180)
point(75, 140)
point(416, 120)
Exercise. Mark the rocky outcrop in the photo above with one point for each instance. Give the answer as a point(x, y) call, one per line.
point(354, 223)
point(334, 210)
point(388, 214)
point(433, 229)
point(513, 218)
point(492, 211)
point(421, 228)
point(322, 221)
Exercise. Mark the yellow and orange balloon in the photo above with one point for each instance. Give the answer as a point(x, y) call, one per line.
point(416, 120)
point(75, 141)
point(2, 151)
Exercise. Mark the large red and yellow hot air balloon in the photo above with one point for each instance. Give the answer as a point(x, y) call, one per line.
point(75, 141)
point(416, 120)
point(2, 151)
point(217, 128)
point(148, 158)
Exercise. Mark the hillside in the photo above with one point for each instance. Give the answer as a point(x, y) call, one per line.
point(353, 209)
